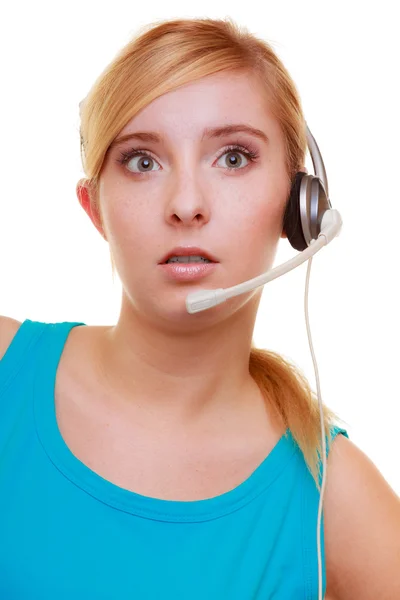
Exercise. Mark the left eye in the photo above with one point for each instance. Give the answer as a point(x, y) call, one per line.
point(233, 152)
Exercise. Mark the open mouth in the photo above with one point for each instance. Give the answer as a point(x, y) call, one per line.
point(187, 260)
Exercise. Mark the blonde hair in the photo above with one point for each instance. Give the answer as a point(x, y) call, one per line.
point(169, 54)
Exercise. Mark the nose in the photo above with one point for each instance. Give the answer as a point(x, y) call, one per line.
point(188, 204)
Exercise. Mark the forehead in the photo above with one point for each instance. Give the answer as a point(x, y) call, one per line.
point(215, 100)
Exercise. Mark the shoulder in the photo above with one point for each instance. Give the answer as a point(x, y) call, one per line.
point(8, 329)
point(361, 527)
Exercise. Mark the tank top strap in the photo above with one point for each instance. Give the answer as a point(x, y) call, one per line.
point(19, 351)
point(53, 344)
point(26, 347)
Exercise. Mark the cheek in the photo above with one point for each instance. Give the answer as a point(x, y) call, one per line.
point(259, 218)
point(257, 230)
point(126, 229)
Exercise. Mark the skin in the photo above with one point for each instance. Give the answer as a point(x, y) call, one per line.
point(158, 359)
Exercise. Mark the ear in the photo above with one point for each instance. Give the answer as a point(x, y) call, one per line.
point(88, 202)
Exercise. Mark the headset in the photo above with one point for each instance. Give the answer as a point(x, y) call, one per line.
point(310, 223)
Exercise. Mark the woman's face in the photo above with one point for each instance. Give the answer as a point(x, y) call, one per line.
point(191, 190)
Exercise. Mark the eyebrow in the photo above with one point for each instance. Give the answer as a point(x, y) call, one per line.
point(208, 133)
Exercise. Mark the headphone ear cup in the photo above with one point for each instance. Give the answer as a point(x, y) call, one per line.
point(305, 208)
point(292, 219)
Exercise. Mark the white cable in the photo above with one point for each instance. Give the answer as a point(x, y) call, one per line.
point(322, 431)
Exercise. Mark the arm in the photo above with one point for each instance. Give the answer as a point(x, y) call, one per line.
point(361, 527)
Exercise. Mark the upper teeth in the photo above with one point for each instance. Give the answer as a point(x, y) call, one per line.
point(186, 259)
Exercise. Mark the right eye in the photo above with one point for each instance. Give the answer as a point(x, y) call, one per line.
point(127, 157)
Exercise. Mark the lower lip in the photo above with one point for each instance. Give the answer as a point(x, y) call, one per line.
point(188, 271)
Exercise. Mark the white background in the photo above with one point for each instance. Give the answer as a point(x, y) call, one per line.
point(55, 266)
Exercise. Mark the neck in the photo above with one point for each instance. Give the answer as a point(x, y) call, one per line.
point(180, 376)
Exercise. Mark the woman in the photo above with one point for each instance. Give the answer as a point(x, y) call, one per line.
point(165, 456)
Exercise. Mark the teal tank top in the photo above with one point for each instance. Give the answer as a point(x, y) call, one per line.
point(65, 532)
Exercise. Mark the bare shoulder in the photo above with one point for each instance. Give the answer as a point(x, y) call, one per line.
point(361, 527)
point(8, 329)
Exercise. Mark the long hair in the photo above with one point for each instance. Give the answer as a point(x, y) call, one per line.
point(162, 57)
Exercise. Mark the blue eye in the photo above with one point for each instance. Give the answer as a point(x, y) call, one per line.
point(236, 149)
point(126, 156)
